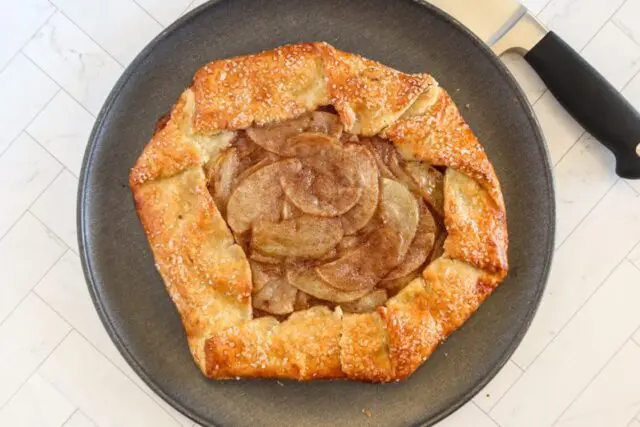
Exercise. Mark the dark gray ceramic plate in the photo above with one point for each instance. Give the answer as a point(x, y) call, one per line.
point(130, 296)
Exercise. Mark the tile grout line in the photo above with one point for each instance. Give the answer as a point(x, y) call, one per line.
point(148, 13)
point(483, 411)
point(71, 415)
point(570, 320)
point(28, 209)
point(64, 244)
point(107, 358)
point(592, 379)
point(71, 330)
point(622, 261)
point(2, 236)
point(599, 30)
point(35, 371)
point(543, 8)
point(187, 8)
point(633, 264)
point(31, 37)
point(631, 187)
point(581, 307)
point(517, 366)
point(34, 285)
point(13, 395)
point(15, 222)
point(60, 85)
point(46, 21)
point(573, 144)
point(15, 55)
point(57, 236)
point(630, 80)
point(546, 89)
point(478, 406)
point(54, 79)
point(509, 388)
point(623, 31)
point(91, 38)
point(637, 341)
point(503, 395)
point(592, 36)
point(38, 368)
point(45, 105)
point(522, 371)
point(21, 52)
point(584, 218)
point(534, 102)
point(637, 246)
point(49, 152)
point(546, 141)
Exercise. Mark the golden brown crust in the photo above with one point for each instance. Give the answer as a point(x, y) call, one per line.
point(413, 330)
point(207, 274)
point(258, 89)
point(306, 346)
point(440, 136)
point(170, 151)
point(364, 348)
point(367, 95)
point(476, 225)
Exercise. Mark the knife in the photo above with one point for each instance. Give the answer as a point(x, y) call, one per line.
point(506, 25)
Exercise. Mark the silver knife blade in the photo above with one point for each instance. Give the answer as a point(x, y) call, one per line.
point(488, 19)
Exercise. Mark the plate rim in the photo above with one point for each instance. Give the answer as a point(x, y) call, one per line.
point(81, 223)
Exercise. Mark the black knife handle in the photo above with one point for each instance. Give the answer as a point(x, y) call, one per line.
point(591, 100)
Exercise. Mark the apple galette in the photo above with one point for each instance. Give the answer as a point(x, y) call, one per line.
point(315, 214)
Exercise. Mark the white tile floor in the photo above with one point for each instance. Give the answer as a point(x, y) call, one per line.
point(579, 365)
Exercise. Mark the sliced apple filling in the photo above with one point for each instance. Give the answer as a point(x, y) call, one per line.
point(325, 217)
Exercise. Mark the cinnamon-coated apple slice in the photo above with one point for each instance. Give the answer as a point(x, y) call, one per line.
point(265, 259)
point(276, 297)
point(259, 196)
point(367, 178)
point(399, 209)
point(369, 302)
point(303, 237)
point(382, 152)
point(308, 144)
point(394, 286)
point(261, 273)
point(325, 122)
point(264, 158)
point(420, 247)
point(307, 280)
point(364, 266)
point(430, 182)
point(221, 175)
point(274, 137)
point(318, 194)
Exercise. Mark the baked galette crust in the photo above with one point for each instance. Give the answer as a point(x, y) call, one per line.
point(208, 275)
